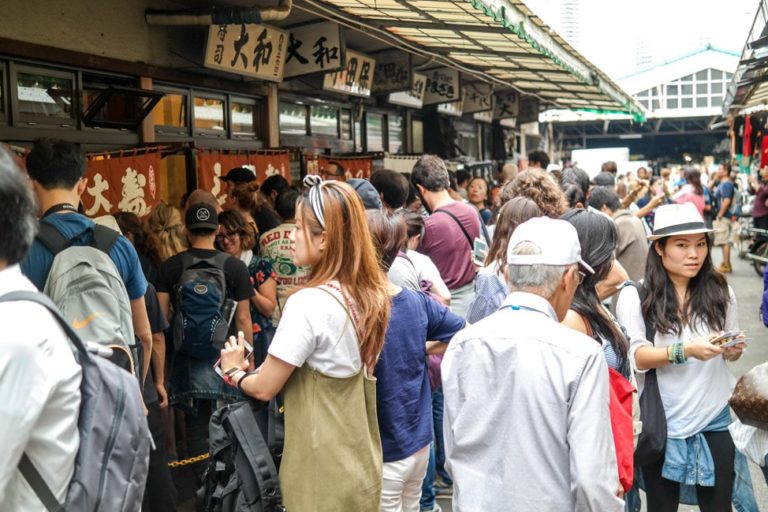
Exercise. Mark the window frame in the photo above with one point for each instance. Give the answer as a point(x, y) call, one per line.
point(170, 130)
point(24, 119)
point(257, 111)
point(209, 132)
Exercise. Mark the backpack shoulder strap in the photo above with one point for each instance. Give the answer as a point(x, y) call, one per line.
point(456, 219)
point(51, 238)
point(36, 482)
point(104, 238)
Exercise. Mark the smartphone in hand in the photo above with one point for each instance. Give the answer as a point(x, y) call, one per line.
point(217, 365)
point(728, 339)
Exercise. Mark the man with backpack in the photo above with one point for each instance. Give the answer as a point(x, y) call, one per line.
point(113, 311)
point(210, 292)
point(39, 377)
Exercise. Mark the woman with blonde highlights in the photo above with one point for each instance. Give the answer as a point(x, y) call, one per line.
point(323, 353)
point(166, 235)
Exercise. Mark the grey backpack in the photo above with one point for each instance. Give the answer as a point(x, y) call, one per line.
point(113, 458)
point(87, 288)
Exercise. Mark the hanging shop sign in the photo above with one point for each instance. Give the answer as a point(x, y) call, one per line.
point(211, 165)
point(355, 78)
point(506, 105)
point(121, 182)
point(314, 48)
point(528, 110)
point(483, 117)
point(442, 86)
point(477, 102)
point(393, 72)
point(257, 51)
point(452, 108)
point(414, 97)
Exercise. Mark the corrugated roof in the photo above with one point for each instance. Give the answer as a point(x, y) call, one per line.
point(500, 41)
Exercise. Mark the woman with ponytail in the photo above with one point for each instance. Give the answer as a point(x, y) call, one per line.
point(322, 358)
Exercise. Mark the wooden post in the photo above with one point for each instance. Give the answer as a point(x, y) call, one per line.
point(147, 129)
point(272, 121)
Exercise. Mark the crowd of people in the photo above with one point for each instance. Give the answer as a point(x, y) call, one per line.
point(428, 334)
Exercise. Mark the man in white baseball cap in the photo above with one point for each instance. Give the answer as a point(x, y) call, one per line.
point(526, 399)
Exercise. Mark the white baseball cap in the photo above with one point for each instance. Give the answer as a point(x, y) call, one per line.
point(557, 239)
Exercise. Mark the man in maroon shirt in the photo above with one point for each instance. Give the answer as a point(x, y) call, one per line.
point(449, 232)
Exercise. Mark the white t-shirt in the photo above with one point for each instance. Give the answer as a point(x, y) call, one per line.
point(693, 393)
point(315, 329)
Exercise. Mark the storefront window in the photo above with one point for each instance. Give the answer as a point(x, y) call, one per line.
point(171, 111)
point(45, 96)
point(374, 132)
point(243, 115)
point(395, 132)
point(209, 114)
point(293, 119)
point(324, 121)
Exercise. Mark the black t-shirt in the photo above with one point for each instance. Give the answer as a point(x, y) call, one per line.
point(157, 323)
point(239, 285)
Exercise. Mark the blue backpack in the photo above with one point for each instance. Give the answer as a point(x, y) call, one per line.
point(202, 310)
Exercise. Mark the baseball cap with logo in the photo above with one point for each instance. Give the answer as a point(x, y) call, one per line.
point(557, 239)
point(201, 216)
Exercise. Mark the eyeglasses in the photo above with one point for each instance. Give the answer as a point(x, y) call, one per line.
point(581, 275)
point(229, 236)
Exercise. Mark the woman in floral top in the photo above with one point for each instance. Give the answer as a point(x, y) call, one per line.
point(235, 237)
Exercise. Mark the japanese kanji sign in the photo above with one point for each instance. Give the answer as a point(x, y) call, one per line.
point(252, 50)
point(442, 86)
point(121, 183)
point(212, 165)
point(393, 72)
point(355, 79)
point(411, 98)
point(506, 105)
point(476, 102)
point(313, 48)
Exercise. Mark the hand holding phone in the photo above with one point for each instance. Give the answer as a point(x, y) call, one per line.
point(728, 339)
point(217, 365)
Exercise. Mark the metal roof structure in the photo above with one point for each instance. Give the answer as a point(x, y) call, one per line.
point(501, 42)
point(748, 89)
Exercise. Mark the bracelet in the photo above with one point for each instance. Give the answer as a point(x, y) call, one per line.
point(232, 371)
point(229, 379)
point(670, 356)
point(678, 351)
point(247, 374)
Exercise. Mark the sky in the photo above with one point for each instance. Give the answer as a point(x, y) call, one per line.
point(611, 31)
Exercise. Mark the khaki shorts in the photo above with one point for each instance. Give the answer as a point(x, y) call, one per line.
point(722, 233)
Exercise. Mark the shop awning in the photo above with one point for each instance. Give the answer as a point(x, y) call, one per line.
point(497, 41)
point(748, 90)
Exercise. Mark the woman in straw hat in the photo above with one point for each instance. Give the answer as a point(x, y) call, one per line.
point(685, 302)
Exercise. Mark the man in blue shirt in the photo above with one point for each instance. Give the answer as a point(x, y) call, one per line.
point(57, 171)
point(724, 194)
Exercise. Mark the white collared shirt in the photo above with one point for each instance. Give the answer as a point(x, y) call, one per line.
point(39, 398)
point(526, 419)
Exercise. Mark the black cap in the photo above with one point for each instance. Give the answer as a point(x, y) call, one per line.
point(239, 175)
point(604, 179)
point(201, 216)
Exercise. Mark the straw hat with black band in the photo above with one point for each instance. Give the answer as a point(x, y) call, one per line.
point(677, 219)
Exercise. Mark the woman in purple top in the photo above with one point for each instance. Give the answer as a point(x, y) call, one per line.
point(418, 325)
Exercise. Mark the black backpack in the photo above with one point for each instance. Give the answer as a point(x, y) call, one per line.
point(203, 311)
point(241, 475)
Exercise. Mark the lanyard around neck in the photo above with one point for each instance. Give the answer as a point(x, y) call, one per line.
point(59, 208)
point(516, 307)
